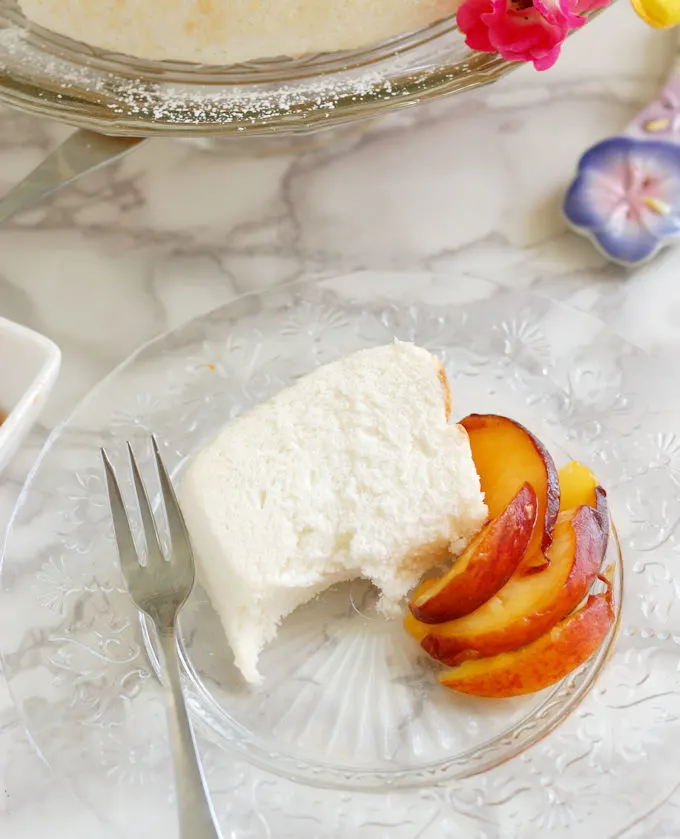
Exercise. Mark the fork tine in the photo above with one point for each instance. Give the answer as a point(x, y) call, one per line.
point(176, 523)
point(154, 554)
point(121, 527)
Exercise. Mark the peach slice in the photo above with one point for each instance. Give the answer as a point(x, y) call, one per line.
point(543, 662)
point(506, 456)
point(423, 587)
point(485, 565)
point(579, 486)
point(528, 604)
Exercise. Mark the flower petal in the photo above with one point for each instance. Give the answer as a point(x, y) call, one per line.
point(542, 59)
point(525, 35)
point(581, 7)
point(558, 12)
point(579, 207)
point(654, 159)
point(660, 14)
point(546, 60)
point(654, 187)
point(627, 244)
point(469, 20)
point(660, 212)
point(608, 153)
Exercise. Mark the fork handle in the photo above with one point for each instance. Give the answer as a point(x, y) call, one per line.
point(196, 815)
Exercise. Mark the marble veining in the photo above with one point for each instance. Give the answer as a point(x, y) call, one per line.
point(470, 187)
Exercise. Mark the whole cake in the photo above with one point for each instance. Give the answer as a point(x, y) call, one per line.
point(230, 31)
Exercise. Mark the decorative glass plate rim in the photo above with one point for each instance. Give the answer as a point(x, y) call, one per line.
point(348, 778)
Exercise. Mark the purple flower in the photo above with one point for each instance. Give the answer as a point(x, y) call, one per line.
point(626, 197)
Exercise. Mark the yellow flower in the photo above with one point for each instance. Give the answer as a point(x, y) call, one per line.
point(661, 14)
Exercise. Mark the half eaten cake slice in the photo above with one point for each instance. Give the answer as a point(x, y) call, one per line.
point(353, 471)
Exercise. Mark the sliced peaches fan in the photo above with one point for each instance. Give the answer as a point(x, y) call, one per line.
point(543, 662)
point(529, 604)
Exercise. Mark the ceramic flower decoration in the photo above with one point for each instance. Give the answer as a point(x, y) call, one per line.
point(522, 30)
point(627, 197)
point(626, 194)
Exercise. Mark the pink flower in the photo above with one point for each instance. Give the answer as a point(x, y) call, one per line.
point(522, 30)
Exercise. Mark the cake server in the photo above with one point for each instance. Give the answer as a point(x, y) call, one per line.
point(83, 152)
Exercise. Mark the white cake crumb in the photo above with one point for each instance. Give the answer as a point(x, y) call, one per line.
point(232, 31)
point(354, 471)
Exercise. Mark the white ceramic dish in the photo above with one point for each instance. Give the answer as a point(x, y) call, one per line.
point(29, 365)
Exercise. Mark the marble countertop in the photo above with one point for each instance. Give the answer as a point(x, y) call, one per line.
point(180, 227)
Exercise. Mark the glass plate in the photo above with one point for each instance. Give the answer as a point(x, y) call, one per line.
point(53, 76)
point(348, 703)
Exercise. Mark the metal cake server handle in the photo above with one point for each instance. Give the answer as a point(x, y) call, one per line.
point(83, 152)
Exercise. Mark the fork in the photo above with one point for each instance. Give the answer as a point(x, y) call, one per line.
point(160, 588)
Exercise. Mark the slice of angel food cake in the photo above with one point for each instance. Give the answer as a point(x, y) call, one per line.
point(353, 471)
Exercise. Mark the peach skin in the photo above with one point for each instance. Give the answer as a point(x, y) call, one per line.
point(485, 565)
point(543, 662)
point(506, 456)
point(579, 486)
point(529, 604)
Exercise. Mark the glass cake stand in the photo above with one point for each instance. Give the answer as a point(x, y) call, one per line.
point(49, 75)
